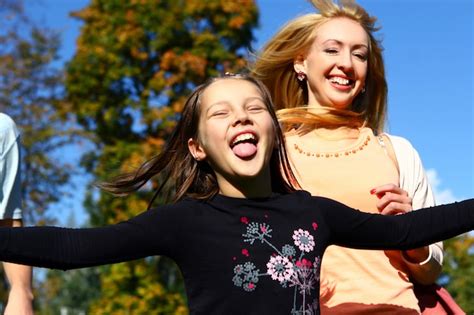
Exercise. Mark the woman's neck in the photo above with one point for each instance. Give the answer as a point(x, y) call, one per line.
point(338, 133)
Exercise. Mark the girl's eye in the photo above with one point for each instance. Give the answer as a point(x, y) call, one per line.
point(256, 108)
point(219, 113)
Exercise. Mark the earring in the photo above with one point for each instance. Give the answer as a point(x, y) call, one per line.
point(301, 76)
point(363, 90)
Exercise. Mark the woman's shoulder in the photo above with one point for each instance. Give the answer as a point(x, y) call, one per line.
point(406, 154)
point(399, 142)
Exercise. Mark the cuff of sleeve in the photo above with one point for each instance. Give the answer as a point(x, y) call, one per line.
point(435, 254)
point(424, 262)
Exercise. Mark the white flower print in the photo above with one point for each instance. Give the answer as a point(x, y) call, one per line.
point(303, 240)
point(285, 265)
point(280, 268)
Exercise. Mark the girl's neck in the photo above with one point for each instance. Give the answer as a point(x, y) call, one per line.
point(259, 186)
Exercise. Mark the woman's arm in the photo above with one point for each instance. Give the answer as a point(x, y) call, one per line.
point(424, 264)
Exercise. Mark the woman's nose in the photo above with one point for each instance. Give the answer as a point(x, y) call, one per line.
point(345, 61)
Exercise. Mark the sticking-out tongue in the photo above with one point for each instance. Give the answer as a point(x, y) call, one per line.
point(244, 149)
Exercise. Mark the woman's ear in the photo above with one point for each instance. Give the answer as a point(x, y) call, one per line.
point(299, 64)
point(196, 150)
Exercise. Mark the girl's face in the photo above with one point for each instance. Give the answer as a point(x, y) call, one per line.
point(236, 136)
point(336, 64)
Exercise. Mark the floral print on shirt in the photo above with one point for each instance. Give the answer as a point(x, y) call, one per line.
point(287, 265)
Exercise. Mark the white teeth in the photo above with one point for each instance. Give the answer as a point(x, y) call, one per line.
point(243, 137)
point(340, 80)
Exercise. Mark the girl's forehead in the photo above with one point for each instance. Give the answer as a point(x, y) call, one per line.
point(228, 90)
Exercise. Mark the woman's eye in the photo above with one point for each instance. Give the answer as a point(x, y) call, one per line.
point(361, 56)
point(331, 51)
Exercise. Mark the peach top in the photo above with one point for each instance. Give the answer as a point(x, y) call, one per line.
point(344, 165)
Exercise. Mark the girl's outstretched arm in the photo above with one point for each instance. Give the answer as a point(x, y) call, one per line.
point(150, 233)
point(362, 230)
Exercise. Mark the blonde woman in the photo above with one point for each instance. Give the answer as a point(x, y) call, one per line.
point(325, 72)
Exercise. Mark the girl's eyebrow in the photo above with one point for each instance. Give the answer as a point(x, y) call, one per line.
point(215, 104)
point(253, 98)
point(248, 99)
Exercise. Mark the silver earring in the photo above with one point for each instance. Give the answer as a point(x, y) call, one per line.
point(301, 76)
point(363, 90)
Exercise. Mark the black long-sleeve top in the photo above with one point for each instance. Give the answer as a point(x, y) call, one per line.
point(239, 256)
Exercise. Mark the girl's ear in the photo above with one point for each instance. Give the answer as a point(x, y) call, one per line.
point(299, 64)
point(196, 150)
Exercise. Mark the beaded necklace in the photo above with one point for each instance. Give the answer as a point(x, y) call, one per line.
point(340, 153)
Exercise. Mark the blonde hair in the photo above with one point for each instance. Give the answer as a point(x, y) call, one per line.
point(274, 67)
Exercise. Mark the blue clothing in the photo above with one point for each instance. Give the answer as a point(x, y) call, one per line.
point(10, 193)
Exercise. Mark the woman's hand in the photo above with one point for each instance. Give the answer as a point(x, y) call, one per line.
point(392, 199)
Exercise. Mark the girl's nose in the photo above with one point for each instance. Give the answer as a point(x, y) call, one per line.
point(241, 117)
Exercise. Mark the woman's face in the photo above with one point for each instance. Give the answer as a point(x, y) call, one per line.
point(336, 64)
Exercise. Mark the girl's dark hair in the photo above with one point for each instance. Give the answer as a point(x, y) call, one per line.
point(179, 174)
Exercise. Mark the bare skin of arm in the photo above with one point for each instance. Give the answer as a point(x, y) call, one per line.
point(20, 297)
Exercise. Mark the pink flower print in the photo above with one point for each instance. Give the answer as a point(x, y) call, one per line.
point(280, 268)
point(304, 263)
point(251, 286)
point(244, 220)
point(263, 228)
point(303, 240)
point(245, 252)
point(315, 226)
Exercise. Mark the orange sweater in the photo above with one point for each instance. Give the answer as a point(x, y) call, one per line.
point(345, 167)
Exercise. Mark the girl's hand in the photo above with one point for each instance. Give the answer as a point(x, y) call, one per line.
point(392, 199)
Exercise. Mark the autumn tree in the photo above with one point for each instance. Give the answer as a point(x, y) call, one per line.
point(70, 291)
point(31, 92)
point(136, 62)
point(458, 270)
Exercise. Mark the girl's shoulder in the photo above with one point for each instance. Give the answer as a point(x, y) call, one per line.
point(305, 197)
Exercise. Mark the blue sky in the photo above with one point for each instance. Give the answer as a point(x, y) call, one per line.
point(429, 64)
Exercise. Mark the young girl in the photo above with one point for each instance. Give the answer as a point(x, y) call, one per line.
point(245, 242)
